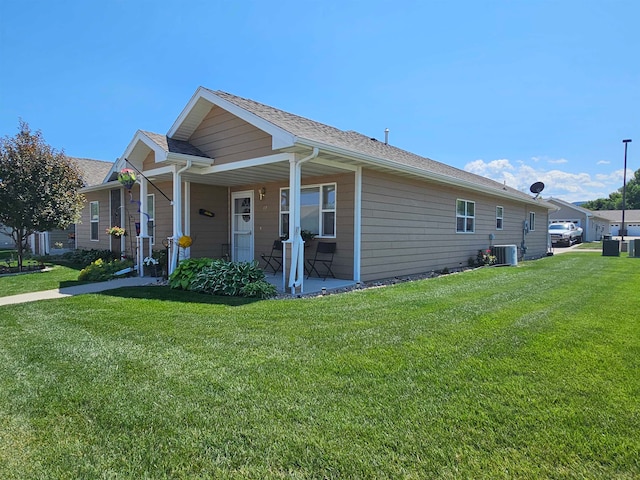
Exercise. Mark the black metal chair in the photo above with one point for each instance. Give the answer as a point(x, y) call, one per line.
point(274, 259)
point(323, 258)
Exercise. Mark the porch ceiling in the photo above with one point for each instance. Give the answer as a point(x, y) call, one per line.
point(272, 172)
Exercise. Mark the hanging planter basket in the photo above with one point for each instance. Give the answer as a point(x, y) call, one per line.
point(127, 178)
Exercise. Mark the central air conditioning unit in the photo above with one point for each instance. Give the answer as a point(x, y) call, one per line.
point(505, 254)
point(634, 247)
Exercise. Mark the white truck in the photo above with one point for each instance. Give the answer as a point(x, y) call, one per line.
point(565, 234)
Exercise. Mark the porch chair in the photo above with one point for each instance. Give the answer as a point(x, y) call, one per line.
point(274, 259)
point(324, 258)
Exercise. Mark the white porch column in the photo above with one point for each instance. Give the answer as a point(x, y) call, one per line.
point(187, 216)
point(296, 272)
point(177, 218)
point(144, 234)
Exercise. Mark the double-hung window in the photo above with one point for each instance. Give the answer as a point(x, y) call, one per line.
point(317, 210)
point(465, 216)
point(151, 215)
point(499, 217)
point(94, 212)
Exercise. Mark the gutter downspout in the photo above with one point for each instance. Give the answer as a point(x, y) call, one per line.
point(177, 213)
point(296, 271)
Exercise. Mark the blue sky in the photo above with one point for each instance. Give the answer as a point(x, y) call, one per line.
point(521, 91)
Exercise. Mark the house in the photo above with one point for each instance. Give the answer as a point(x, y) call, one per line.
point(93, 172)
point(594, 224)
point(235, 175)
point(614, 221)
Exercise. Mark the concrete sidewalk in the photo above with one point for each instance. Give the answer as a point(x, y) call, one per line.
point(78, 290)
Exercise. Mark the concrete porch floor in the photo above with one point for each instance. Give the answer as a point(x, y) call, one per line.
point(311, 285)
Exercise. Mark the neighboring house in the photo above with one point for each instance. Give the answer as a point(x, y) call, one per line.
point(93, 172)
point(6, 242)
point(240, 174)
point(593, 224)
point(614, 219)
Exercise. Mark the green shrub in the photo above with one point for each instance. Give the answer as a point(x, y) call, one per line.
point(259, 289)
point(84, 258)
point(186, 271)
point(233, 279)
point(100, 270)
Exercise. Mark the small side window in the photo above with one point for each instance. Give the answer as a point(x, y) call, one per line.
point(499, 217)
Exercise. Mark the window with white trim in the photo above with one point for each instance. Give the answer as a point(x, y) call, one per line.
point(532, 221)
point(317, 210)
point(94, 212)
point(465, 216)
point(499, 217)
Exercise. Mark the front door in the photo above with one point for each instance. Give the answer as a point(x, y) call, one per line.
point(242, 226)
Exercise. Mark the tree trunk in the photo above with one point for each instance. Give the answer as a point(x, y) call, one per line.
point(19, 240)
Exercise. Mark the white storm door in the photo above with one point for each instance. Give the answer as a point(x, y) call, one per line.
point(242, 226)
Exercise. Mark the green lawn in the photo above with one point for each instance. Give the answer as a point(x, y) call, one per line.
point(515, 372)
point(590, 246)
point(55, 276)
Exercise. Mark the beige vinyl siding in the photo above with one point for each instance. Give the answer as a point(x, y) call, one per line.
point(267, 211)
point(227, 138)
point(409, 226)
point(209, 233)
point(163, 214)
point(83, 230)
point(149, 162)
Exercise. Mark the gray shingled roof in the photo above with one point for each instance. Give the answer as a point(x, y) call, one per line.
point(93, 172)
point(615, 216)
point(355, 142)
point(174, 146)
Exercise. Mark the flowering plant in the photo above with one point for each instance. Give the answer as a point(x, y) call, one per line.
point(485, 258)
point(127, 177)
point(185, 241)
point(116, 231)
point(148, 261)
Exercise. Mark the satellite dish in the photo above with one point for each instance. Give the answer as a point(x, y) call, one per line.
point(537, 188)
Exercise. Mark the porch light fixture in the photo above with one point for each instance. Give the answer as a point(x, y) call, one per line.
point(262, 193)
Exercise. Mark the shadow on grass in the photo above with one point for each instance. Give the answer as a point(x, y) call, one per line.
point(172, 295)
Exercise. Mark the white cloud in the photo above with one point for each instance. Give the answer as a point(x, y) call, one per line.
point(558, 161)
point(568, 186)
point(603, 162)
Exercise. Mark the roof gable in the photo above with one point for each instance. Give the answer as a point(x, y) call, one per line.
point(288, 130)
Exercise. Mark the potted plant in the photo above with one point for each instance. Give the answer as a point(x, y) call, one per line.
point(127, 178)
point(307, 235)
point(116, 231)
point(151, 265)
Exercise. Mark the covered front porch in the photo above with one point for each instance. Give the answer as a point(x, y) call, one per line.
point(236, 211)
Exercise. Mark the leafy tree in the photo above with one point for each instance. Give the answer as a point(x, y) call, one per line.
point(614, 202)
point(38, 187)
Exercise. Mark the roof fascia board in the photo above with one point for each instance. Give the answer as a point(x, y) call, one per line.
point(195, 160)
point(280, 137)
point(117, 166)
point(158, 171)
point(588, 213)
point(415, 171)
point(252, 162)
point(102, 186)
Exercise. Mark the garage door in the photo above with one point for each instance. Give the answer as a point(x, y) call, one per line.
point(633, 230)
